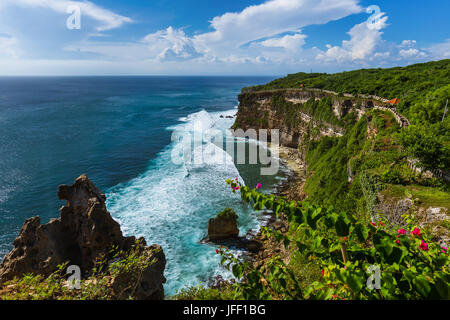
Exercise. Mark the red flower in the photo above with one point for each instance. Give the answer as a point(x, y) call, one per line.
point(374, 224)
point(398, 241)
point(416, 232)
point(401, 231)
point(236, 188)
point(323, 272)
point(423, 245)
point(217, 251)
point(345, 238)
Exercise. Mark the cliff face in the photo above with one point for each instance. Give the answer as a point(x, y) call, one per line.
point(257, 110)
point(84, 232)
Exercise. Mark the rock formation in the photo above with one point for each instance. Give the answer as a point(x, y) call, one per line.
point(84, 232)
point(224, 226)
point(257, 111)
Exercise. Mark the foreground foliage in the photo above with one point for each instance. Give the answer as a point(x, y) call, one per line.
point(99, 285)
point(347, 252)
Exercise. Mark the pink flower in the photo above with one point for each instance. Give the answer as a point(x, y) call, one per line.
point(258, 186)
point(374, 224)
point(443, 249)
point(398, 241)
point(236, 188)
point(236, 179)
point(401, 231)
point(423, 245)
point(416, 232)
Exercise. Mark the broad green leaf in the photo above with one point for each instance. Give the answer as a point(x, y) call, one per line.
point(342, 226)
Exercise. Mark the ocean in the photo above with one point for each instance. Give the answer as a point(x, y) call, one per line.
point(117, 130)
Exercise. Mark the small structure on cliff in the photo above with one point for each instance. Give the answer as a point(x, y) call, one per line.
point(84, 232)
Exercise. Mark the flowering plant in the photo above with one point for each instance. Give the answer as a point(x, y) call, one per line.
point(411, 265)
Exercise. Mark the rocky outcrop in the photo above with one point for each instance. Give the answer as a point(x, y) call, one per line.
point(256, 111)
point(84, 232)
point(393, 209)
point(435, 219)
point(221, 228)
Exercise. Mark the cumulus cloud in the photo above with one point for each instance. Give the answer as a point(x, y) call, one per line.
point(264, 38)
point(234, 34)
point(171, 44)
point(411, 53)
point(364, 38)
point(108, 19)
point(288, 42)
point(407, 43)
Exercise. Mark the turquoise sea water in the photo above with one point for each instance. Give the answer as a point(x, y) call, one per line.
point(118, 130)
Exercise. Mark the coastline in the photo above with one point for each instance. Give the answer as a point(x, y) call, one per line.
point(292, 189)
point(258, 249)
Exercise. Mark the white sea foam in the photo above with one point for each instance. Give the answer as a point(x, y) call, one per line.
point(171, 204)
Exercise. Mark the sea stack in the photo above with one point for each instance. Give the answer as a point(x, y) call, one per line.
point(223, 226)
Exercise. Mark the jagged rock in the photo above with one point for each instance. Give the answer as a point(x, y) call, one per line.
point(84, 232)
point(393, 209)
point(224, 226)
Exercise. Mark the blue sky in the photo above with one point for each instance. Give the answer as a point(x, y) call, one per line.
point(211, 37)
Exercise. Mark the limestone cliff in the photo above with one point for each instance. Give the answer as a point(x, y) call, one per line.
point(257, 110)
point(84, 232)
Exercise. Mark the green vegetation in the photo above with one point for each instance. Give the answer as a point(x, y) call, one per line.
point(423, 88)
point(228, 213)
point(344, 252)
point(429, 145)
point(337, 234)
point(291, 113)
point(226, 292)
point(99, 285)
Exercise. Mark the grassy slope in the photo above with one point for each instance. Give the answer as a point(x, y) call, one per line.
point(379, 160)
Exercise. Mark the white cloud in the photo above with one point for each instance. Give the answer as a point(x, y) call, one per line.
point(411, 53)
point(364, 38)
point(439, 50)
point(258, 34)
point(108, 19)
point(8, 47)
point(288, 42)
point(171, 44)
point(261, 39)
point(231, 31)
point(408, 43)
